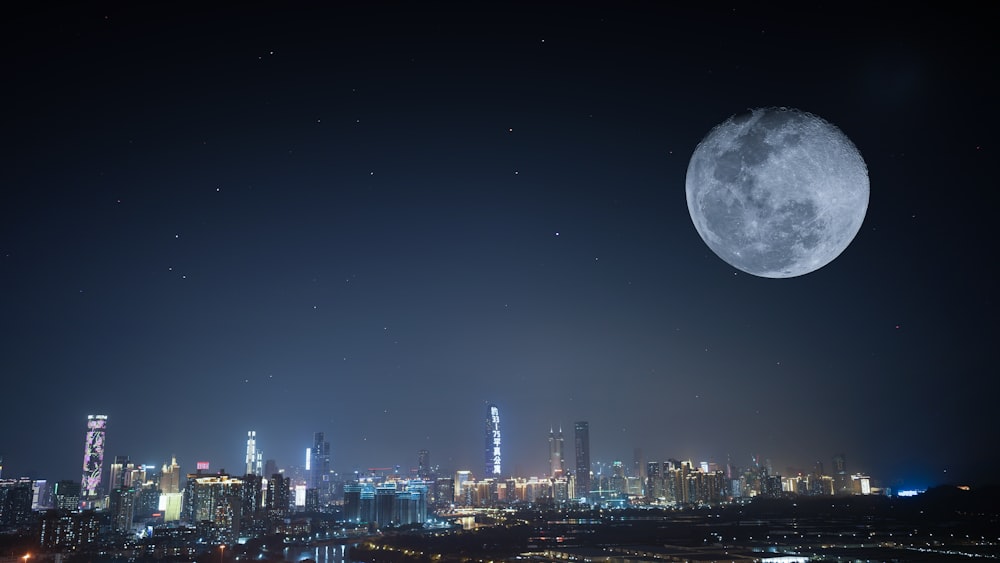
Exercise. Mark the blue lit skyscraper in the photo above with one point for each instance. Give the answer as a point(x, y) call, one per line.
point(492, 469)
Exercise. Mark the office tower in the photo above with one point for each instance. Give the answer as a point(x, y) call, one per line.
point(116, 472)
point(67, 495)
point(278, 495)
point(217, 499)
point(639, 464)
point(93, 458)
point(121, 506)
point(253, 495)
point(16, 496)
point(270, 467)
point(492, 467)
point(170, 477)
point(69, 531)
point(320, 462)
point(423, 464)
point(841, 481)
point(459, 485)
point(444, 490)
point(251, 458)
point(582, 439)
point(556, 464)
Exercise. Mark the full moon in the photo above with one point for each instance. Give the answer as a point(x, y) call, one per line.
point(777, 192)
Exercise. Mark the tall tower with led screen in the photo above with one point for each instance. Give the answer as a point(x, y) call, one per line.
point(93, 458)
point(493, 457)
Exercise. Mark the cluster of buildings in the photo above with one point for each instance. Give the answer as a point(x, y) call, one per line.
point(175, 512)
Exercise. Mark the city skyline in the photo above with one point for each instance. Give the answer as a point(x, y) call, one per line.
point(308, 475)
point(372, 221)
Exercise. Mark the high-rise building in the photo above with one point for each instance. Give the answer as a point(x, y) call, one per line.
point(67, 495)
point(121, 506)
point(278, 495)
point(42, 494)
point(116, 472)
point(170, 477)
point(251, 452)
point(557, 465)
point(492, 435)
point(423, 464)
point(93, 458)
point(459, 485)
point(217, 499)
point(841, 480)
point(64, 530)
point(15, 502)
point(270, 467)
point(320, 462)
point(582, 439)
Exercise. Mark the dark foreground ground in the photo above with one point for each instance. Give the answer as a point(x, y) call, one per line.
point(944, 524)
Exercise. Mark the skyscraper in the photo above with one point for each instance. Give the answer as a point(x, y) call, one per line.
point(321, 466)
point(170, 477)
point(582, 435)
point(251, 452)
point(93, 458)
point(492, 467)
point(116, 473)
point(557, 466)
point(423, 464)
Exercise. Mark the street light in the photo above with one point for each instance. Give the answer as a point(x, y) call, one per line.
point(25, 557)
point(222, 550)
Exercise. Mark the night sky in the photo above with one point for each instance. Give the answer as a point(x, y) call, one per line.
point(374, 221)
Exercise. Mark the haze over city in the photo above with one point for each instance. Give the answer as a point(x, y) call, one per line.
point(374, 222)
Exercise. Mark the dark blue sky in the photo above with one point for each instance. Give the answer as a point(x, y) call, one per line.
point(373, 221)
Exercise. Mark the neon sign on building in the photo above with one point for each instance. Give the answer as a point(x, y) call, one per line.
point(493, 442)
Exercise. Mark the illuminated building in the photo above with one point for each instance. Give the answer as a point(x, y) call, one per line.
point(492, 435)
point(41, 495)
point(278, 495)
point(841, 480)
point(556, 464)
point(121, 506)
point(15, 502)
point(218, 501)
point(251, 452)
point(444, 490)
point(67, 495)
point(582, 442)
point(861, 484)
point(71, 531)
point(93, 458)
point(116, 472)
point(321, 467)
point(393, 503)
point(170, 477)
point(459, 485)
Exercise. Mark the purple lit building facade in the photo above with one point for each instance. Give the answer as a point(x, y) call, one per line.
point(93, 458)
